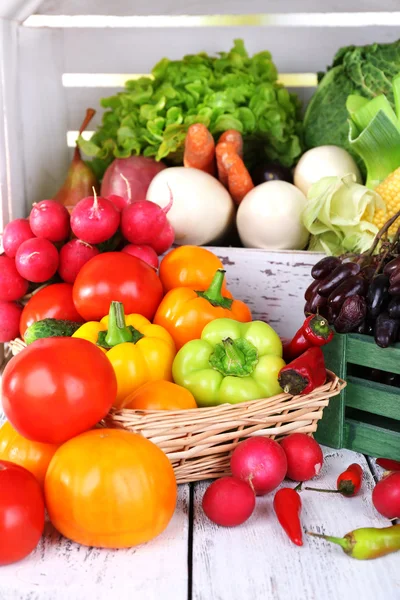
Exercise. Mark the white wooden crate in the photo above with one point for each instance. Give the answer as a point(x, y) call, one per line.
point(57, 57)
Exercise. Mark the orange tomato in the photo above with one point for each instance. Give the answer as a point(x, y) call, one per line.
point(160, 395)
point(184, 312)
point(189, 266)
point(34, 456)
point(110, 488)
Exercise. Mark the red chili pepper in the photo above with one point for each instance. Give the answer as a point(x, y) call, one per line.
point(348, 483)
point(287, 507)
point(305, 373)
point(388, 464)
point(315, 331)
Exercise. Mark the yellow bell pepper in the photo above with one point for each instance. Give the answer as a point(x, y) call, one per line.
point(138, 350)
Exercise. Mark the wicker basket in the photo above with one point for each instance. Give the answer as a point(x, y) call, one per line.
point(199, 441)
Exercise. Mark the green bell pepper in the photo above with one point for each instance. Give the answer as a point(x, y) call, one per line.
point(232, 362)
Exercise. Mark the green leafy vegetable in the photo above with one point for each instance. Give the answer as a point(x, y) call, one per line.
point(339, 215)
point(375, 133)
point(231, 91)
point(363, 70)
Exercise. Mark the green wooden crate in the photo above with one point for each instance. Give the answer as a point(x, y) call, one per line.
point(366, 415)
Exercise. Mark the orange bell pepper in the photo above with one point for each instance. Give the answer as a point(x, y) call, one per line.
point(185, 312)
point(190, 266)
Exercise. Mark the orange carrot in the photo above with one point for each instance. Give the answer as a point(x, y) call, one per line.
point(233, 137)
point(224, 151)
point(199, 149)
point(239, 180)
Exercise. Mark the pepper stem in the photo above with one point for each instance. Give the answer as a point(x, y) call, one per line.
point(118, 332)
point(322, 490)
point(237, 358)
point(214, 292)
point(344, 542)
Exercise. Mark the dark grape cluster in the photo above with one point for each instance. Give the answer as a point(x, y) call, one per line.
point(358, 294)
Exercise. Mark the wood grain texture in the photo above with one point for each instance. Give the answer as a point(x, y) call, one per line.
point(256, 560)
point(61, 570)
point(43, 113)
point(138, 50)
point(11, 166)
point(272, 283)
point(201, 7)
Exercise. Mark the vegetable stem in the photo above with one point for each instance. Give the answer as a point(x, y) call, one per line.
point(214, 292)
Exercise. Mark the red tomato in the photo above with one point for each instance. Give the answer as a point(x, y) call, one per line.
point(58, 388)
point(116, 276)
point(52, 302)
point(21, 513)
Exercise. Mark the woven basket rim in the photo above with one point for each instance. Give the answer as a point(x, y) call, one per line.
point(333, 386)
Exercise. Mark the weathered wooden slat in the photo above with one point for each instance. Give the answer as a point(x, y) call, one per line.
point(61, 570)
point(271, 283)
point(362, 350)
point(372, 435)
point(11, 167)
point(307, 50)
point(43, 113)
point(367, 395)
point(256, 560)
point(191, 7)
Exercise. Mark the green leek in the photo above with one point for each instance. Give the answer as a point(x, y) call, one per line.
point(375, 133)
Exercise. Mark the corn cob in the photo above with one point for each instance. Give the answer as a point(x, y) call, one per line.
point(389, 191)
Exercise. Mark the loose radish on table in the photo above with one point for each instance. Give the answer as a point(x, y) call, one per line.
point(145, 253)
point(10, 314)
point(15, 233)
point(386, 496)
point(145, 223)
point(304, 456)
point(37, 260)
point(261, 462)
point(229, 501)
point(73, 256)
point(50, 220)
point(95, 219)
point(12, 285)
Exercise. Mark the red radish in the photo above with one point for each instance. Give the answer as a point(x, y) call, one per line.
point(229, 501)
point(145, 223)
point(304, 456)
point(14, 234)
point(73, 256)
point(260, 462)
point(10, 314)
point(386, 496)
point(37, 260)
point(130, 177)
point(95, 219)
point(118, 201)
point(50, 220)
point(145, 253)
point(12, 285)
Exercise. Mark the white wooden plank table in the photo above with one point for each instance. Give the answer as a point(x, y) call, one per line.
point(195, 560)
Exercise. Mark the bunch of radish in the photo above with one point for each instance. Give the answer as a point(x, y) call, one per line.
point(52, 245)
point(258, 466)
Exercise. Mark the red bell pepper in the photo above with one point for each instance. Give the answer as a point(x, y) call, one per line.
point(348, 483)
point(315, 331)
point(304, 374)
point(388, 464)
point(287, 507)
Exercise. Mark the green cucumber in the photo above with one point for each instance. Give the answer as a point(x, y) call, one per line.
point(50, 328)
